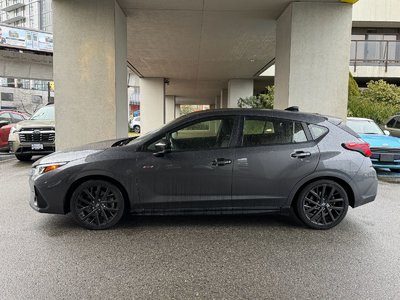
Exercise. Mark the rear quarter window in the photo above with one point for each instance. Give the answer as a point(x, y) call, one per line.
point(317, 131)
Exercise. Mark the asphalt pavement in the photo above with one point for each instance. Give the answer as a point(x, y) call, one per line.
point(208, 257)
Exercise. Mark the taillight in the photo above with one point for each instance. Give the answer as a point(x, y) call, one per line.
point(363, 148)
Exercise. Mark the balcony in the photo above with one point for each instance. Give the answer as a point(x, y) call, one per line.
point(382, 53)
point(13, 6)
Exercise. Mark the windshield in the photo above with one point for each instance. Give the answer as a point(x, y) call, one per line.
point(45, 113)
point(364, 126)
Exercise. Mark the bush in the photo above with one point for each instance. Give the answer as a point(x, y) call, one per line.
point(383, 92)
point(260, 101)
point(375, 110)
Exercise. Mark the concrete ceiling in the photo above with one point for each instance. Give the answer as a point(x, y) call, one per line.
point(200, 44)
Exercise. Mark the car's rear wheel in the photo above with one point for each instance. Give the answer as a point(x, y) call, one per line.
point(97, 204)
point(136, 129)
point(322, 204)
point(23, 157)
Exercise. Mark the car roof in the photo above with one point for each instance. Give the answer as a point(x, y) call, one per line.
point(359, 119)
point(274, 113)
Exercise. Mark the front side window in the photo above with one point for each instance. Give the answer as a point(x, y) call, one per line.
point(265, 131)
point(391, 123)
point(205, 134)
point(397, 125)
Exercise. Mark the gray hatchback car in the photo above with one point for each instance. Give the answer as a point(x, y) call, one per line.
point(224, 161)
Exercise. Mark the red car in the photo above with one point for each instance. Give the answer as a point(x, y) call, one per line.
point(7, 120)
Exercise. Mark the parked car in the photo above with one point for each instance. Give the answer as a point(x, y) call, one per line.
point(35, 136)
point(213, 162)
point(135, 124)
point(393, 125)
point(385, 149)
point(8, 119)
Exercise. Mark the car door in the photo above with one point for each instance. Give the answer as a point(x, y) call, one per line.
point(273, 156)
point(197, 172)
point(394, 126)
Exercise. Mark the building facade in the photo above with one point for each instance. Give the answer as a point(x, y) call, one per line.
point(25, 94)
point(33, 14)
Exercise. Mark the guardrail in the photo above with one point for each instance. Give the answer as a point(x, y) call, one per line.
point(375, 53)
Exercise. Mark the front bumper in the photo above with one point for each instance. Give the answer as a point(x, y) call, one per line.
point(26, 148)
point(47, 193)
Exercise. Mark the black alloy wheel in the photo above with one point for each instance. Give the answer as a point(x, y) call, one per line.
point(136, 129)
point(322, 204)
point(97, 204)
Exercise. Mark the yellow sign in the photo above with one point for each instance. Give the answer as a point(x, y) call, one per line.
point(51, 86)
point(349, 1)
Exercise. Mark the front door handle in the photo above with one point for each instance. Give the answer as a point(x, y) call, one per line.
point(300, 154)
point(221, 162)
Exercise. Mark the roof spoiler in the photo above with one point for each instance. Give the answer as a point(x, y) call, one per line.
point(293, 108)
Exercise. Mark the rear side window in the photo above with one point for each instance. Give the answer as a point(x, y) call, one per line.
point(391, 123)
point(317, 131)
point(259, 131)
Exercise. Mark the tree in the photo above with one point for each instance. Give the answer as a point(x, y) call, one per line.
point(259, 101)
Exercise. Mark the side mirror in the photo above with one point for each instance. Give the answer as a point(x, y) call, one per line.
point(4, 123)
point(386, 132)
point(163, 147)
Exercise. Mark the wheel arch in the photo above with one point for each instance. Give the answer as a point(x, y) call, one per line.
point(347, 187)
point(83, 179)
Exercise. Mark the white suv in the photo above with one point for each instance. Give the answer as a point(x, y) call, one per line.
point(134, 124)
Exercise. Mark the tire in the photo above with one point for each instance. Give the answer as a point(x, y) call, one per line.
point(23, 157)
point(97, 204)
point(395, 170)
point(136, 129)
point(322, 204)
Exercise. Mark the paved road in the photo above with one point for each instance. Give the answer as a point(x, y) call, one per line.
point(235, 257)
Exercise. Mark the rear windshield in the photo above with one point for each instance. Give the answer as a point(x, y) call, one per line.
point(339, 123)
point(364, 126)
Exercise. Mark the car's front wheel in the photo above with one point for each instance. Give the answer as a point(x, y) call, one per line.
point(97, 204)
point(136, 129)
point(322, 204)
point(23, 157)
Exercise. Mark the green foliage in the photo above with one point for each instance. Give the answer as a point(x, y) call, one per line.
point(378, 101)
point(366, 108)
point(381, 91)
point(260, 101)
point(354, 90)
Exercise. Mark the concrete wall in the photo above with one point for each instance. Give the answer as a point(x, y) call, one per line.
point(25, 65)
point(169, 108)
point(380, 12)
point(89, 71)
point(312, 57)
point(239, 88)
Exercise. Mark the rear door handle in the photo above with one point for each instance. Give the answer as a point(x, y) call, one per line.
point(300, 154)
point(221, 162)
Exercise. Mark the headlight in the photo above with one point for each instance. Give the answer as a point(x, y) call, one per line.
point(41, 169)
point(13, 130)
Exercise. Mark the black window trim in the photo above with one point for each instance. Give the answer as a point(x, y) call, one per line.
point(241, 128)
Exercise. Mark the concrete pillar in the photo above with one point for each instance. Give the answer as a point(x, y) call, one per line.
point(152, 104)
point(224, 98)
point(217, 103)
point(312, 57)
point(89, 71)
point(170, 103)
point(239, 88)
point(177, 111)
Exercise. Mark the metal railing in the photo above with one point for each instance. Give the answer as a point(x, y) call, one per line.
point(375, 53)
